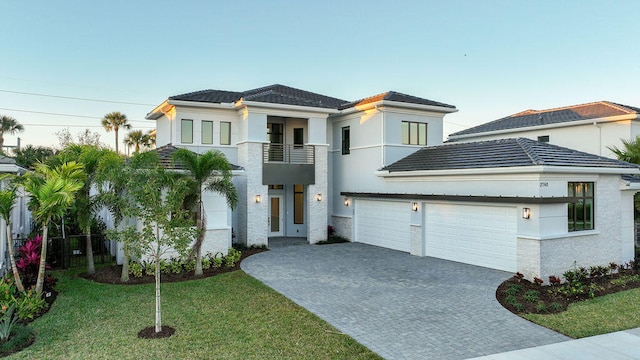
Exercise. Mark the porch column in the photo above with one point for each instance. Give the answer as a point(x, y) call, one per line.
point(318, 210)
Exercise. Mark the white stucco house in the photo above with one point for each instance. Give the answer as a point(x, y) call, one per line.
point(376, 170)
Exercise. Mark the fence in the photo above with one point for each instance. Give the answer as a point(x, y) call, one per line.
point(63, 253)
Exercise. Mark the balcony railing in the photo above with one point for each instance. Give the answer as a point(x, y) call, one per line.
point(288, 154)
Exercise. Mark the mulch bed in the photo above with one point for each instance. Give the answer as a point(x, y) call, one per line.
point(111, 274)
point(150, 332)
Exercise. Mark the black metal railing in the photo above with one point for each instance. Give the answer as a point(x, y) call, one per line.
point(64, 253)
point(288, 154)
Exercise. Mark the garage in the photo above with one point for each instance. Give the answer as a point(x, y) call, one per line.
point(483, 235)
point(383, 223)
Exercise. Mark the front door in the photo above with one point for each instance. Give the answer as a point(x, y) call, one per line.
point(276, 218)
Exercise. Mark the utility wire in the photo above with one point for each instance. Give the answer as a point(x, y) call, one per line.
point(68, 115)
point(74, 98)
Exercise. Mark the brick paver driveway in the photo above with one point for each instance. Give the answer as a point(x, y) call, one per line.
point(398, 305)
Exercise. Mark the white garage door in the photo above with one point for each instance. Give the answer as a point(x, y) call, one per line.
point(383, 223)
point(472, 234)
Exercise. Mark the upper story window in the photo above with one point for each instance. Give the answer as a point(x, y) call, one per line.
point(543, 138)
point(207, 132)
point(414, 133)
point(580, 207)
point(186, 131)
point(225, 133)
point(346, 140)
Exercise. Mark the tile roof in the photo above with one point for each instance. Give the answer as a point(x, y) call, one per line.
point(395, 96)
point(165, 154)
point(281, 94)
point(500, 153)
point(530, 118)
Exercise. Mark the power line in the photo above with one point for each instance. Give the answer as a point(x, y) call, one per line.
point(68, 115)
point(75, 98)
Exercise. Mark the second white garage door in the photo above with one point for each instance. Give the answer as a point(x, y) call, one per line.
point(473, 234)
point(383, 223)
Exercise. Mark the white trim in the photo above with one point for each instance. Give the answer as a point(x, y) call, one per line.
point(376, 104)
point(257, 104)
point(508, 170)
point(570, 234)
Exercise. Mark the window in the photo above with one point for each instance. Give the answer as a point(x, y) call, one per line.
point(207, 132)
point(346, 140)
point(298, 204)
point(186, 131)
point(414, 133)
point(298, 137)
point(225, 133)
point(544, 138)
point(580, 207)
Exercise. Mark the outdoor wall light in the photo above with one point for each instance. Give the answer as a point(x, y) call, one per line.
point(346, 202)
point(526, 213)
point(258, 198)
point(319, 197)
point(414, 206)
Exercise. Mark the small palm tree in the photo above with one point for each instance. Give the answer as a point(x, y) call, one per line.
point(8, 125)
point(114, 121)
point(211, 172)
point(139, 139)
point(7, 200)
point(52, 193)
point(630, 151)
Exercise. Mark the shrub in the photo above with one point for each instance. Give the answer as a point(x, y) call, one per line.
point(541, 307)
point(29, 304)
point(519, 307)
point(513, 289)
point(511, 299)
point(538, 281)
point(554, 280)
point(556, 306)
point(206, 263)
point(7, 322)
point(28, 261)
point(577, 274)
point(232, 257)
point(518, 276)
point(532, 296)
point(135, 269)
point(21, 337)
point(624, 280)
point(7, 290)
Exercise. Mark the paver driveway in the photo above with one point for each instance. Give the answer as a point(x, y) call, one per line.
point(398, 305)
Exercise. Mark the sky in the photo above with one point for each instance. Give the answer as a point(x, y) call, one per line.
point(65, 64)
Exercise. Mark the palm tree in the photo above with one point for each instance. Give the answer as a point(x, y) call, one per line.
point(7, 200)
point(114, 121)
point(210, 172)
point(8, 125)
point(137, 138)
point(630, 151)
point(52, 193)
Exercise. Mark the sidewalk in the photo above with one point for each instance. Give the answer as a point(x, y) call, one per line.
point(614, 346)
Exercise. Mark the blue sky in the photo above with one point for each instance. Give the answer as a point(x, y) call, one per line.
point(489, 58)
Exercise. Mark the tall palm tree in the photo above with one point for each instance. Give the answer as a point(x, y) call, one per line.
point(139, 139)
point(52, 193)
point(7, 200)
point(8, 125)
point(210, 172)
point(114, 121)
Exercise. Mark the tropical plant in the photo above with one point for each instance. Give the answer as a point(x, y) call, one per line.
point(139, 139)
point(52, 193)
point(7, 200)
point(8, 125)
point(208, 172)
point(7, 322)
point(630, 152)
point(30, 155)
point(29, 260)
point(114, 121)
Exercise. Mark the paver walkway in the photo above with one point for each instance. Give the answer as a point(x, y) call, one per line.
point(398, 305)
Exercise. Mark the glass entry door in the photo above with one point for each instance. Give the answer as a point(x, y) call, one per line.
point(276, 215)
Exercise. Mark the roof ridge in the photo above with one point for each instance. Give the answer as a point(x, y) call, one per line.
point(620, 107)
point(526, 145)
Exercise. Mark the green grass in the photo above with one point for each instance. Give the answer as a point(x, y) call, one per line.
point(229, 316)
point(613, 312)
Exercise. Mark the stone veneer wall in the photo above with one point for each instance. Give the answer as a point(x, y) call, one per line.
point(343, 226)
point(317, 210)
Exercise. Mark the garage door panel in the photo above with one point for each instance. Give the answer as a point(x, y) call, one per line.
point(473, 234)
point(383, 223)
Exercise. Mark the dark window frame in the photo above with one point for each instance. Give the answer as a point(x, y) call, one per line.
point(346, 140)
point(298, 204)
point(543, 138)
point(581, 209)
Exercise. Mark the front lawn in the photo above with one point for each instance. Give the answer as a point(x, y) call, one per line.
point(601, 315)
point(229, 316)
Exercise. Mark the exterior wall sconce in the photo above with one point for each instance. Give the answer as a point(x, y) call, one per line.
point(319, 197)
point(526, 213)
point(346, 202)
point(414, 206)
point(258, 198)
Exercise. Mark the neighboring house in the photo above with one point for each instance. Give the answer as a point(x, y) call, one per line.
point(592, 127)
point(376, 170)
point(20, 216)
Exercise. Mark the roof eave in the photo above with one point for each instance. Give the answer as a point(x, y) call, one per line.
point(259, 104)
point(398, 104)
point(509, 170)
point(159, 110)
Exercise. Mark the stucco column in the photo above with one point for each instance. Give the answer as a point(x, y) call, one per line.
point(317, 216)
point(252, 215)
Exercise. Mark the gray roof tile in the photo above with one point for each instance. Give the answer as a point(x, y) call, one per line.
point(500, 153)
point(530, 118)
point(398, 97)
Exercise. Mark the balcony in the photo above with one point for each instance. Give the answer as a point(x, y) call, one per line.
point(288, 164)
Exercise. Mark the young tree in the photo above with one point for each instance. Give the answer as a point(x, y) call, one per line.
point(7, 200)
point(8, 125)
point(211, 172)
point(52, 193)
point(157, 196)
point(114, 121)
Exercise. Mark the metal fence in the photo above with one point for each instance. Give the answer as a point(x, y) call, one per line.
point(70, 251)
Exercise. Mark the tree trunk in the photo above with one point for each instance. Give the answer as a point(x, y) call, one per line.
point(116, 131)
point(12, 259)
point(124, 276)
point(43, 258)
point(197, 247)
point(158, 312)
point(91, 269)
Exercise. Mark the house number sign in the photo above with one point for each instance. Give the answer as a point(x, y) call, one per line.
point(544, 184)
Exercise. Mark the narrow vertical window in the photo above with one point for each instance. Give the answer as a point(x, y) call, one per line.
point(298, 136)
point(225, 133)
point(580, 209)
point(207, 132)
point(298, 204)
point(186, 131)
point(346, 140)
